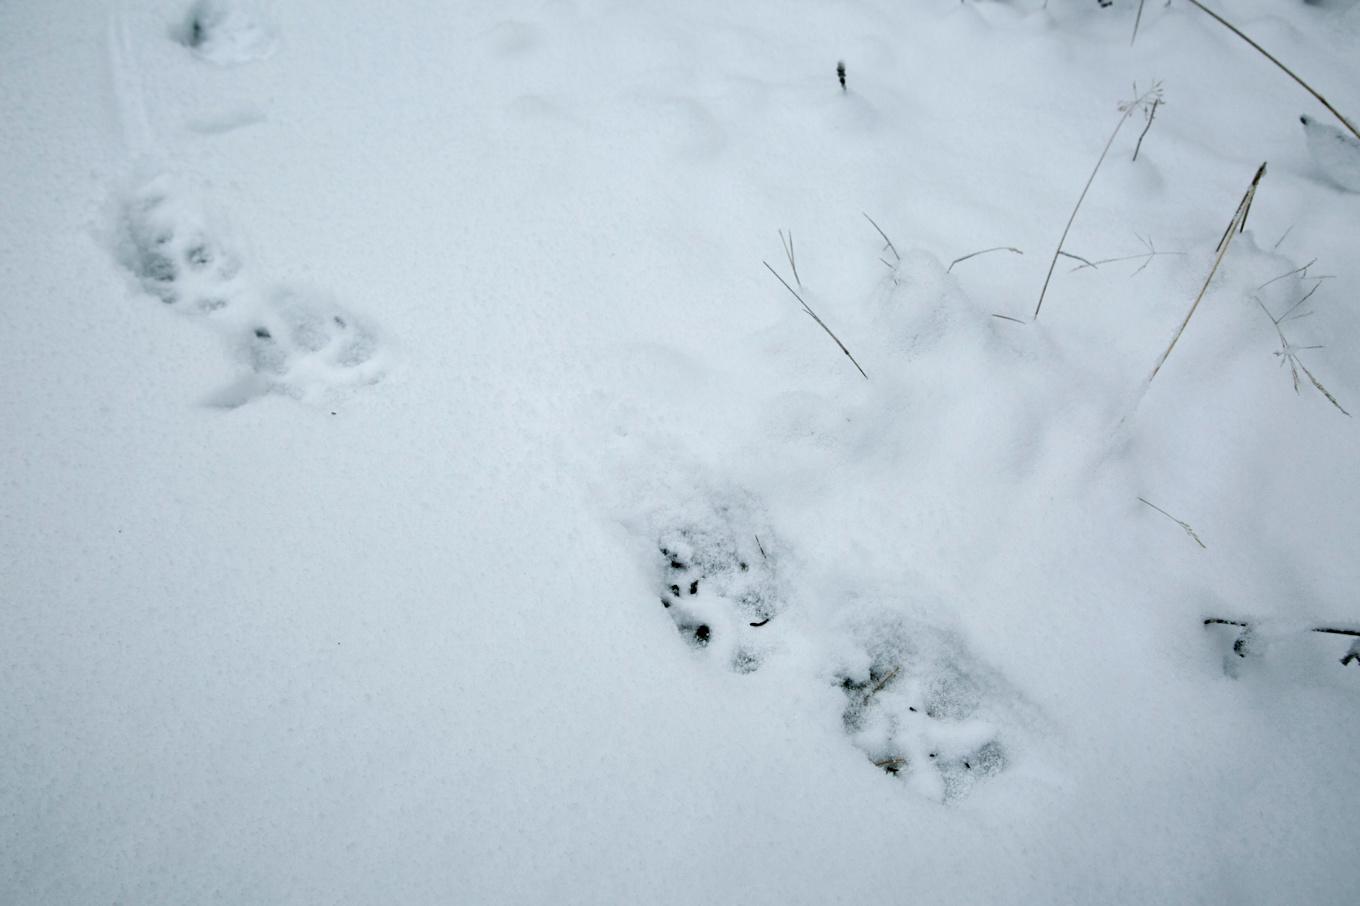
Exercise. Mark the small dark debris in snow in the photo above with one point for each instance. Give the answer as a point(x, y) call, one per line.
point(675, 590)
point(702, 633)
point(694, 587)
point(761, 622)
point(891, 765)
point(263, 333)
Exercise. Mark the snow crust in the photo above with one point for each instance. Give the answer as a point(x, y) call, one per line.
point(416, 489)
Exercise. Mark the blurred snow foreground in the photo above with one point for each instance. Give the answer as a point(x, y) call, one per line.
point(418, 490)
point(1336, 153)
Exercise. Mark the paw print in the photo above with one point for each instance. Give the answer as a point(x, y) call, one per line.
point(720, 589)
point(917, 718)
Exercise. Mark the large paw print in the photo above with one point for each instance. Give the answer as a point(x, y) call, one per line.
point(915, 714)
point(717, 580)
point(166, 243)
point(303, 345)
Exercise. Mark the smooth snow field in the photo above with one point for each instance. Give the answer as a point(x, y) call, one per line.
point(422, 480)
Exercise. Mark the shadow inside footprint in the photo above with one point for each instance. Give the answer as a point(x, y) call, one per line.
point(718, 584)
point(226, 32)
point(165, 241)
point(304, 345)
point(915, 714)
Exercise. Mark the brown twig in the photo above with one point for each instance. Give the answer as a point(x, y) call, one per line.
point(1242, 647)
point(1078, 258)
point(887, 678)
point(1289, 353)
point(788, 251)
point(1184, 525)
point(1287, 71)
point(885, 237)
point(1127, 109)
point(1151, 113)
point(1235, 226)
point(812, 314)
point(1301, 269)
point(1146, 258)
point(1328, 630)
point(999, 248)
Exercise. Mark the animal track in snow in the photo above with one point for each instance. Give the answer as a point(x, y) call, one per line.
point(227, 32)
point(166, 242)
point(718, 583)
point(297, 343)
point(916, 708)
point(746, 596)
point(303, 345)
point(915, 703)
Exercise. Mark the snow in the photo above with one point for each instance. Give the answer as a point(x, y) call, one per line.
point(1336, 153)
point(375, 374)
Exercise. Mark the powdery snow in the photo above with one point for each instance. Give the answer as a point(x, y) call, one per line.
point(417, 488)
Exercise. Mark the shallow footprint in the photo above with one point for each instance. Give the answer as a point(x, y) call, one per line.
point(306, 346)
point(227, 32)
point(167, 241)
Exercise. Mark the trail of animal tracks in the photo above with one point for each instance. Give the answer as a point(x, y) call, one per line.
point(417, 489)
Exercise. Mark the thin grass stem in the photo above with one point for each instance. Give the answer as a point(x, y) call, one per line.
point(1287, 71)
point(812, 314)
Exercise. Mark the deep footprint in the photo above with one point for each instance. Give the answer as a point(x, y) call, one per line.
point(915, 714)
point(718, 583)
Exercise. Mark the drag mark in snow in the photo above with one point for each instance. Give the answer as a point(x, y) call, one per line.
point(129, 95)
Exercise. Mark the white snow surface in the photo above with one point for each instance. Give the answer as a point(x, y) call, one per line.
point(374, 371)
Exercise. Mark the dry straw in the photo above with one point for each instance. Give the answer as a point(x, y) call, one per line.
point(1126, 110)
point(1235, 226)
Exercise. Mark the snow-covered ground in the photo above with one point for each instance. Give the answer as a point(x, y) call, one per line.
point(416, 487)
